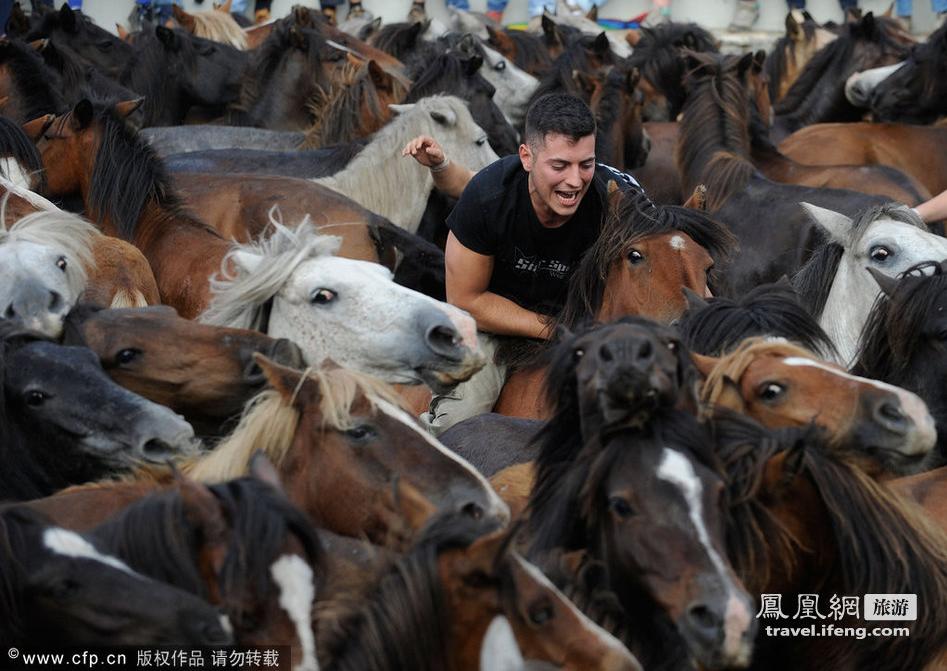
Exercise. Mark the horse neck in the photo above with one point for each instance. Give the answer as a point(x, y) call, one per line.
point(845, 312)
point(381, 180)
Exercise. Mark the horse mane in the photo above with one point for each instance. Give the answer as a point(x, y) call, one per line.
point(16, 146)
point(403, 622)
point(767, 310)
point(337, 110)
point(886, 545)
point(895, 323)
point(635, 218)
point(37, 85)
point(127, 175)
point(807, 98)
point(732, 365)
point(156, 537)
point(776, 61)
point(531, 53)
point(813, 282)
point(61, 230)
point(658, 57)
point(400, 40)
point(714, 143)
point(574, 58)
point(219, 27)
point(447, 73)
point(756, 539)
point(239, 295)
point(19, 529)
point(269, 422)
point(609, 108)
point(33, 198)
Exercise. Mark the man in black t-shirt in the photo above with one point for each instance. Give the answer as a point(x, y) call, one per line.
point(516, 235)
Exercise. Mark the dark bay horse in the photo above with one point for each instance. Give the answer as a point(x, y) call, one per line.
point(59, 588)
point(914, 93)
point(92, 43)
point(63, 421)
point(714, 150)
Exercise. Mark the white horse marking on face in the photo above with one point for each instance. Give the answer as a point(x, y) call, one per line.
point(70, 544)
point(677, 242)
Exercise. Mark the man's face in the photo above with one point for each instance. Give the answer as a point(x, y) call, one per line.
point(560, 173)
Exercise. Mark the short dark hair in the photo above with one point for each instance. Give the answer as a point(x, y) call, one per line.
point(558, 113)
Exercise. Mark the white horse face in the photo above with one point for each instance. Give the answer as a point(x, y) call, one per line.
point(38, 286)
point(352, 312)
point(859, 87)
point(514, 86)
point(888, 246)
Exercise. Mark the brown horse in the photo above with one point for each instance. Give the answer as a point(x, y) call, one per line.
point(338, 439)
point(206, 373)
point(803, 519)
point(432, 608)
point(915, 150)
point(792, 52)
point(641, 260)
point(780, 384)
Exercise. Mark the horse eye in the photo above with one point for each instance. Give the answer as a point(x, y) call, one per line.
point(36, 398)
point(635, 257)
point(500, 66)
point(104, 46)
point(481, 141)
point(578, 354)
point(770, 391)
point(61, 263)
point(620, 507)
point(127, 355)
point(541, 615)
point(879, 253)
point(672, 345)
point(323, 296)
point(361, 432)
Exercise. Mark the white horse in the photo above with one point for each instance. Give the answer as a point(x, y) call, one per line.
point(380, 179)
point(514, 87)
point(835, 284)
point(43, 257)
point(291, 286)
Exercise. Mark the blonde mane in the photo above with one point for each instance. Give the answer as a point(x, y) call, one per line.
point(220, 27)
point(239, 294)
point(733, 365)
point(269, 422)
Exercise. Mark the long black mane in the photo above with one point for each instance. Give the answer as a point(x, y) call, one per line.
point(37, 87)
point(768, 310)
point(814, 280)
point(14, 143)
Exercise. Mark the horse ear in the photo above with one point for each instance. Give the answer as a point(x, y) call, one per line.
point(499, 38)
point(698, 199)
point(888, 13)
point(601, 45)
point(835, 224)
point(632, 79)
point(201, 508)
point(35, 128)
point(886, 283)
point(550, 30)
point(472, 64)
point(806, 16)
point(82, 114)
point(483, 553)
point(413, 33)
point(593, 13)
point(67, 18)
point(615, 197)
point(166, 36)
point(263, 470)
point(499, 650)
point(704, 364)
point(246, 261)
point(468, 44)
point(224, 6)
point(759, 58)
point(41, 44)
point(292, 385)
point(122, 32)
point(744, 64)
point(584, 81)
point(694, 301)
point(633, 36)
point(793, 29)
point(126, 107)
point(381, 79)
point(186, 21)
point(403, 108)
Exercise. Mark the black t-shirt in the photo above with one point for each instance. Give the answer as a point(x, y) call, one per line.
point(532, 263)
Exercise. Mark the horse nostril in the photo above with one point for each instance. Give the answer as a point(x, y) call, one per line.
point(605, 353)
point(157, 450)
point(705, 622)
point(9, 313)
point(645, 350)
point(472, 510)
point(443, 340)
point(55, 301)
point(890, 415)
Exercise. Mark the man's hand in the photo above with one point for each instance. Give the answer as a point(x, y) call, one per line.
point(425, 151)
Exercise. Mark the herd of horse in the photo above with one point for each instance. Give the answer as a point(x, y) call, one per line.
point(222, 304)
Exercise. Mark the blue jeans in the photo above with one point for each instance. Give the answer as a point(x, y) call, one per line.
point(536, 6)
point(905, 7)
point(844, 4)
point(492, 5)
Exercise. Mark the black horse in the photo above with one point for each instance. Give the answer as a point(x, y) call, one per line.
point(915, 92)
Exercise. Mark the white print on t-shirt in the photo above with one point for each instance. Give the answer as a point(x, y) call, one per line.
point(532, 264)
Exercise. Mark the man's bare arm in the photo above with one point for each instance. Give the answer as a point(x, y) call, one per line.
point(468, 276)
point(449, 177)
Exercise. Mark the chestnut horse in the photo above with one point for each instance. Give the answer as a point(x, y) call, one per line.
point(780, 384)
point(643, 257)
point(338, 440)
